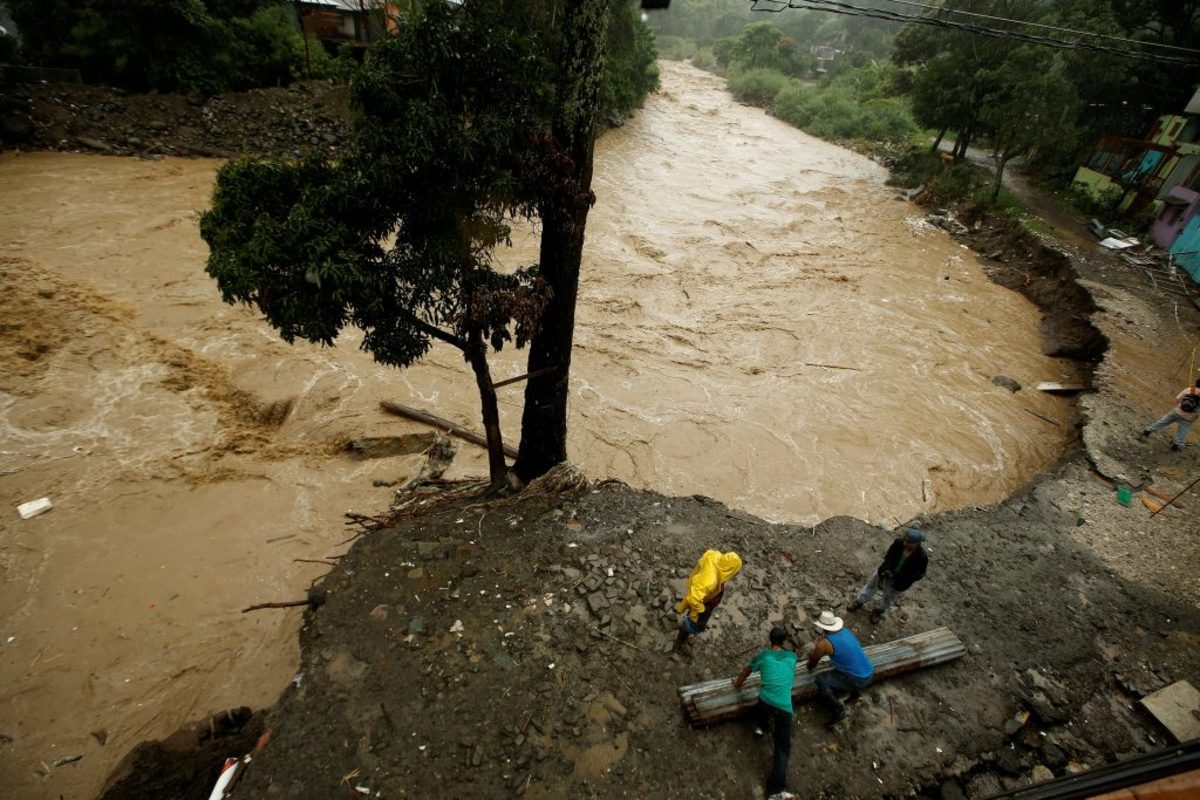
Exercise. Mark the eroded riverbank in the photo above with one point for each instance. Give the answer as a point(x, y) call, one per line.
point(789, 339)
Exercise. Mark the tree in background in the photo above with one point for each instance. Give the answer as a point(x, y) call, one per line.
point(1032, 105)
point(168, 45)
point(762, 45)
point(630, 63)
point(471, 117)
point(447, 108)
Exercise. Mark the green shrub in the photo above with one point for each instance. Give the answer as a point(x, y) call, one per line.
point(675, 48)
point(630, 68)
point(757, 86)
point(704, 59)
point(794, 104)
point(944, 183)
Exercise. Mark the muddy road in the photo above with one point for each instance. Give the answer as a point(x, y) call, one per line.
point(760, 321)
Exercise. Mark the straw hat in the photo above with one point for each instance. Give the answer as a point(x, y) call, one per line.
point(828, 622)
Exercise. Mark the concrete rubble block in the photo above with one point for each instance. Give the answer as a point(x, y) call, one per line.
point(1040, 774)
point(1177, 708)
point(597, 602)
point(982, 786)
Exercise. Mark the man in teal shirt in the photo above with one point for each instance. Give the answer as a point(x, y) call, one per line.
point(777, 670)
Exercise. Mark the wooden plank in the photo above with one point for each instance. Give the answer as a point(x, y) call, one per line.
point(1185, 786)
point(1177, 707)
point(1161, 495)
point(716, 700)
point(442, 424)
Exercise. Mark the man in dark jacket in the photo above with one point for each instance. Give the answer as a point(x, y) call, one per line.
point(903, 566)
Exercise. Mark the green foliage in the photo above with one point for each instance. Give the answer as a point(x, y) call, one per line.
point(675, 48)
point(630, 71)
point(836, 113)
point(448, 108)
point(763, 46)
point(169, 45)
point(757, 86)
point(945, 184)
point(704, 59)
point(1103, 204)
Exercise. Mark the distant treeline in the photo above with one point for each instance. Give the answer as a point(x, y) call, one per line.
point(212, 46)
point(848, 77)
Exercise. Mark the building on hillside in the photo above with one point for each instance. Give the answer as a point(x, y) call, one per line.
point(825, 55)
point(338, 22)
point(1144, 172)
point(1179, 205)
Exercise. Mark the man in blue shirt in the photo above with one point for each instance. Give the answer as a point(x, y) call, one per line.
point(777, 669)
point(852, 668)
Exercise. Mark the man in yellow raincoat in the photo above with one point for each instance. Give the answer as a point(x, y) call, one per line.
point(705, 588)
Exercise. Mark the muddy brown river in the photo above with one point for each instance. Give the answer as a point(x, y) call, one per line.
point(759, 321)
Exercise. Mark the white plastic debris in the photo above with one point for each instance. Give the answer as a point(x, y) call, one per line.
point(457, 626)
point(34, 507)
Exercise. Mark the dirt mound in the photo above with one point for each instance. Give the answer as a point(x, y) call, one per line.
point(310, 116)
point(523, 648)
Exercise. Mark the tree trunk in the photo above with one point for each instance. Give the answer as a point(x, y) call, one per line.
point(938, 141)
point(304, 37)
point(1001, 160)
point(477, 356)
point(564, 216)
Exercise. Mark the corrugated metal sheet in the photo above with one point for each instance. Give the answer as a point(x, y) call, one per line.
point(716, 700)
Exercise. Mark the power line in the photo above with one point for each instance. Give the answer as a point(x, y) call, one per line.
point(895, 16)
point(1026, 23)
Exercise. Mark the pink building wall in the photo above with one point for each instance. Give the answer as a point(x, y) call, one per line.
point(1174, 215)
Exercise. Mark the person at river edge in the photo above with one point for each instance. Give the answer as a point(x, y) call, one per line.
point(777, 668)
point(852, 668)
point(903, 565)
point(705, 589)
point(1187, 408)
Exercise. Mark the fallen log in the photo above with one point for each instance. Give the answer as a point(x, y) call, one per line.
point(442, 424)
point(1161, 495)
point(716, 700)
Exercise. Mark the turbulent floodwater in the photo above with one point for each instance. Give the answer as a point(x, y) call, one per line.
point(759, 321)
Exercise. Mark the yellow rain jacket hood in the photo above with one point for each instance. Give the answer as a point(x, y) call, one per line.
point(707, 580)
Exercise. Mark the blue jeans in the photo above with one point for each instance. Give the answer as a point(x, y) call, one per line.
point(888, 593)
point(1181, 432)
point(832, 682)
point(768, 717)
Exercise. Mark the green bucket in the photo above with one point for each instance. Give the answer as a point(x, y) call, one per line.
point(1124, 495)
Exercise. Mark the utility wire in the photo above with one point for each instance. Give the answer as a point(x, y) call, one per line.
point(943, 10)
point(895, 16)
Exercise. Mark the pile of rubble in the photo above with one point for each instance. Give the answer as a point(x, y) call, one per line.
point(305, 117)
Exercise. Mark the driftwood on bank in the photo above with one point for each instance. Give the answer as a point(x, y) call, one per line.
point(442, 424)
point(717, 700)
point(316, 598)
